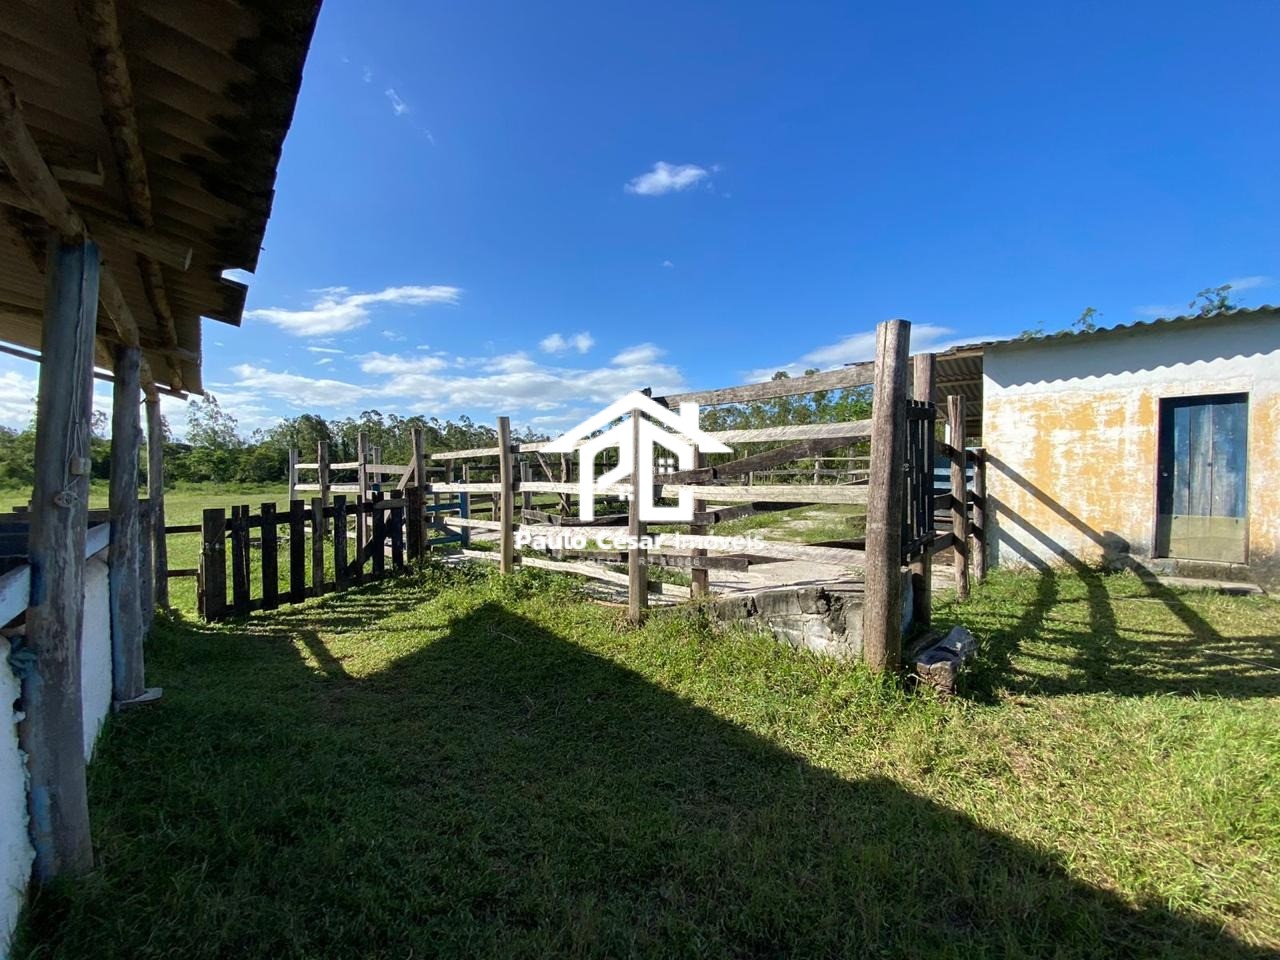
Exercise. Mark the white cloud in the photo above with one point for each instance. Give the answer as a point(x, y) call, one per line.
point(925, 338)
point(394, 363)
point(667, 178)
point(1249, 283)
point(337, 312)
point(298, 391)
point(367, 74)
point(323, 360)
point(17, 399)
point(326, 350)
point(393, 336)
point(643, 353)
point(667, 263)
point(555, 343)
point(398, 106)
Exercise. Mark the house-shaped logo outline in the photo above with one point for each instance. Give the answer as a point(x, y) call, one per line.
point(685, 435)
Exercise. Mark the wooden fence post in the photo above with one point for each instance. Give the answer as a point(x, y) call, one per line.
point(123, 571)
point(980, 515)
point(700, 576)
point(959, 493)
point(526, 499)
point(293, 473)
point(321, 524)
point(317, 546)
point(240, 560)
point(364, 526)
point(882, 602)
point(52, 734)
point(270, 557)
point(297, 551)
point(925, 375)
point(506, 506)
point(637, 568)
point(414, 530)
point(155, 493)
point(213, 564)
point(419, 458)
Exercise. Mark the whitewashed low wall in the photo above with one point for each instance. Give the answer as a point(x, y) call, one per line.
point(16, 852)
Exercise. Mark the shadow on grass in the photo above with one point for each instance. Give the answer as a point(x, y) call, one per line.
point(500, 791)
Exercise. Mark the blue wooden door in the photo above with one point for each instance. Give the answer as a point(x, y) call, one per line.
point(1202, 506)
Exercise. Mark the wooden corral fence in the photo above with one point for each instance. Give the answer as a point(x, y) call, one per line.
point(359, 531)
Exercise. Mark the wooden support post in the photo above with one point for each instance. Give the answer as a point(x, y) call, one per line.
point(882, 603)
point(293, 474)
point(359, 509)
point(925, 370)
point(378, 541)
point(506, 506)
point(297, 551)
point(213, 564)
point(363, 523)
point(701, 576)
point(980, 515)
point(52, 733)
point(637, 569)
point(270, 557)
point(418, 526)
point(124, 572)
point(564, 478)
point(340, 577)
point(959, 493)
point(317, 546)
point(464, 507)
point(155, 493)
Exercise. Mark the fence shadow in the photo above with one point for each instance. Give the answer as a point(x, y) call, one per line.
point(1101, 656)
point(501, 791)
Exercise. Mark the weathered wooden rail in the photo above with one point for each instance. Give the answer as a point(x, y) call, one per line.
point(353, 531)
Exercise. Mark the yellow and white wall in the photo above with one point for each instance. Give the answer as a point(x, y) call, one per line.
point(1071, 429)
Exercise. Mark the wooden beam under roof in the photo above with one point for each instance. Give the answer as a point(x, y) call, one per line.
point(32, 174)
point(111, 71)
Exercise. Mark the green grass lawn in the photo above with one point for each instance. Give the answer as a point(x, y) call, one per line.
point(458, 764)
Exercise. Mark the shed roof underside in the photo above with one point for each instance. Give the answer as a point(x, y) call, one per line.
point(214, 87)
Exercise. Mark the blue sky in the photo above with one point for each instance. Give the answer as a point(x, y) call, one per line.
point(528, 209)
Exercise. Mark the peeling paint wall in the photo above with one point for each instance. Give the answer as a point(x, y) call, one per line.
point(1071, 428)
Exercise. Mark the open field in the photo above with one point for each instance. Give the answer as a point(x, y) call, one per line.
point(456, 764)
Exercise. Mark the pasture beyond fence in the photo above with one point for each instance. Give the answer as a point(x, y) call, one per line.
point(368, 519)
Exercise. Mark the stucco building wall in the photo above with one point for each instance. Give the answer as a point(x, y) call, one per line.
point(1071, 427)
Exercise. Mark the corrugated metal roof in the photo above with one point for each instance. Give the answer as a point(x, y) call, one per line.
point(214, 86)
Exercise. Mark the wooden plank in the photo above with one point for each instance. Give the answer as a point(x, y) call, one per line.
point(340, 573)
point(882, 604)
point(155, 493)
point(317, 546)
point(941, 541)
point(240, 560)
point(700, 576)
point(637, 569)
point(51, 732)
point(396, 517)
point(853, 375)
point(959, 500)
point(123, 570)
point(184, 572)
point(293, 474)
point(415, 527)
point(322, 465)
point(756, 462)
point(471, 523)
point(378, 538)
point(270, 557)
point(723, 514)
point(980, 516)
point(473, 453)
point(849, 430)
point(506, 505)
point(587, 569)
point(789, 493)
point(213, 564)
point(297, 551)
point(925, 373)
